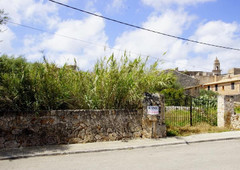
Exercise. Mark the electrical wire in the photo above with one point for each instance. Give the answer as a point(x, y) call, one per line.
point(145, 29)
point(91, 43)
point(77, 39)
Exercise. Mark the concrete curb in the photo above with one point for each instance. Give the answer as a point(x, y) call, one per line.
point(87, 151)
point(117, 145)
point(212, 140)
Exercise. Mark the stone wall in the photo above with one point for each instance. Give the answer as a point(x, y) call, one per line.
point(225, 110)
point(237, 98)
point(234, 71)
point(235, 121)
point(153, 125)
point(185, 80)
point(81, 126)
point(207, 79)
point(65, 127)
point(226, 115)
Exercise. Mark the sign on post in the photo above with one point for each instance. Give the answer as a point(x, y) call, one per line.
point(152, 110)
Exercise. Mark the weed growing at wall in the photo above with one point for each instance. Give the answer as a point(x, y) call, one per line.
point(237, 109)
point(113, 84)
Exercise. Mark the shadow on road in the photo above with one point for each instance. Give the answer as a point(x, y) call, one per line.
point(16, 153)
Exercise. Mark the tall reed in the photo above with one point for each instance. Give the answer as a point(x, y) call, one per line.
point(113, 84)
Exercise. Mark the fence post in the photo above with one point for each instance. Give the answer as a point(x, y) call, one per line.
point(191, 118)
point(225, 110)
point(153, 116)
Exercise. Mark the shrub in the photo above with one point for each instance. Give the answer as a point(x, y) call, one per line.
point(206, 98)
point(113, 84)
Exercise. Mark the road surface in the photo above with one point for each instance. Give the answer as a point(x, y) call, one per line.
point(208, 155)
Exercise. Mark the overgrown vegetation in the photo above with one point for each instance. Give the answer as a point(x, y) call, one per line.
point(206, 98)
point(237, 109)
point(113, 84)
point(174, 95)
point(181, 117)
point(190, 130)
point(203, 109)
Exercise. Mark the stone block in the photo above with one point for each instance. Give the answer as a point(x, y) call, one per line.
point(51, 140)
point(112, 136)
point(11, 144)
point(2, 140)
point(58, 127)
point(9, 137)
point(98, 137)
point(137, 134)
point(151, 124)
point(225, 110)
point(16, 131)
point(75, 140)
point(146, 134)
point(109, 130)
point(88, 138)
point(138, 129)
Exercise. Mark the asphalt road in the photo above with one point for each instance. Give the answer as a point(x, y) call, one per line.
point(221, 155)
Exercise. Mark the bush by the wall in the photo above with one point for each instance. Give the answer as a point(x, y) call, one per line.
point(113, 84)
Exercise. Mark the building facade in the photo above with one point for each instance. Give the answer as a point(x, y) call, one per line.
point(225, 84)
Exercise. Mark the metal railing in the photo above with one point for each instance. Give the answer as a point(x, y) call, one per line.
point(190, 111)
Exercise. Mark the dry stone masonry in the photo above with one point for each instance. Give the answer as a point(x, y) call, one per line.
point(153, 125)
point(226, 115)
point(225, 110)
point(68, 126)
point(80, 126)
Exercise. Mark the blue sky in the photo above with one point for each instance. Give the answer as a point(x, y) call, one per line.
point(211, 21)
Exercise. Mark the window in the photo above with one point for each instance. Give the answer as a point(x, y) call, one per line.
point(232, 86)
point(208, 88)
point(222, 88)
point(216, 87)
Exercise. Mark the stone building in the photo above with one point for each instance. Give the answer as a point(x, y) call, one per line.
point(183, 79)
point(216, 68)
point(225, 84)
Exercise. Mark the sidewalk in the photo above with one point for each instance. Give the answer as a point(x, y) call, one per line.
point(115, 145)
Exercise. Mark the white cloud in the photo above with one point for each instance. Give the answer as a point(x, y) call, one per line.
point(201, 57)
point(63, 1)
point(15, 8)
point(116, 5)
point(58, 49)
point(84, 40)
point(91, 5)
point(89, 30)
point(183, 54)
point(155, 45)
point(219, 33)
point(31, 11)
point(164, 4)
point(5, 40)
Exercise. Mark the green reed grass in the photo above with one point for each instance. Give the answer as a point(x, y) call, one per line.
point(113, 84)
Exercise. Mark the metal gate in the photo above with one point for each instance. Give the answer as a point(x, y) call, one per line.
point(190, 111)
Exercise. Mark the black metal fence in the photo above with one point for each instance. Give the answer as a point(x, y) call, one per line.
point(190, 111)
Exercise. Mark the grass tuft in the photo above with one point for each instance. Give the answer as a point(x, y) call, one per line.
point(197, 129)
